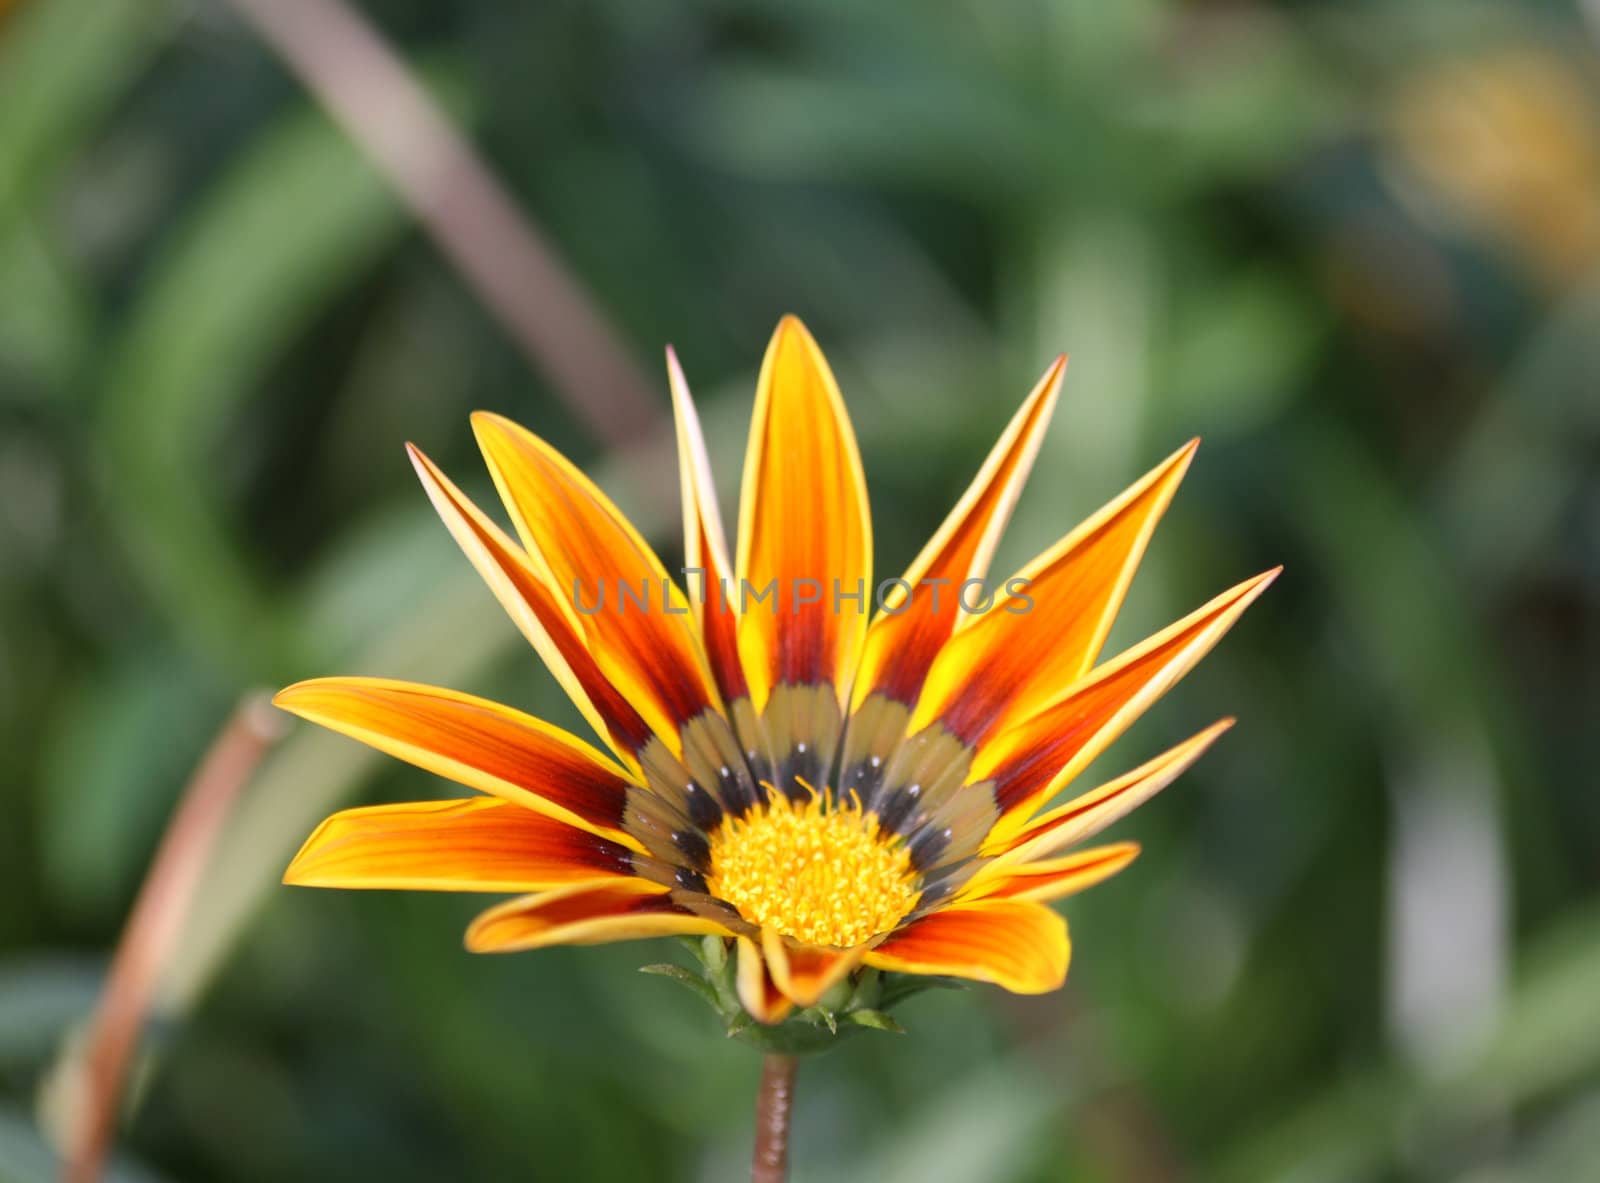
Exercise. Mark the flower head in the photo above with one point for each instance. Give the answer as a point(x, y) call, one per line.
point(825, 786)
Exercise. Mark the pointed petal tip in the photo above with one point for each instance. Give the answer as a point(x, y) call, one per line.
point(485, 421)
point(1163, 479)
point(1232, 603)
point(792, 327)
point(490, 428)
point(292, 697)
point(1252, 587)
point(1048, 389)
point(430, 475)
point(1180, 460)
point(294, 875)
point(289, 698)
point(1111, 858)
point(677, 382)
point(298, 873)
point(425, 468)
point(1240, 596)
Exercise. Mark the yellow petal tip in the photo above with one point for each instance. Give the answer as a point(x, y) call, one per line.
point(289, 696)
point(419, 461)
point(295, 876)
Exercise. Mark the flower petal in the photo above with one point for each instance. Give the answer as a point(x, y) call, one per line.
point(904, 639)
point(1015, 944)
point(474, 742)
point(705, 546)
point(634, 617)
point(758, 993)
point(1055, 878)
point(1030, 761)
point(475, 844)
point(804, 973)
point(1000, 665)
point(1091, 812)
point(523, 587)
point(585, 914)
point(804, 527)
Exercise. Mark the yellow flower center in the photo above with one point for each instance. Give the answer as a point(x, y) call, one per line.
point(813, 869)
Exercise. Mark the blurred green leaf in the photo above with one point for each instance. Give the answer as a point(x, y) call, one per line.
point(982, 1127)
point(1237, 349)
point(62, 63)
point(449, 637)
point(44, 323)
point(787, 125)
point(41, 996)
point(1361, 1125)
point(114, 763)
point(1240, 103)
point(25, 1157)
point(249, 268)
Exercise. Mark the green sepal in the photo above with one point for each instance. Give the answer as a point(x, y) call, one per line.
point(684, 977)
point(859, 1002)
point(802, 1034)
point(876, 1019)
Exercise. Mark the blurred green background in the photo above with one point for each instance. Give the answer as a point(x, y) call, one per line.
point(1354, 246)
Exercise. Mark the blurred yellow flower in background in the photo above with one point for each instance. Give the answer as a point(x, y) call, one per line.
point(1509, 140)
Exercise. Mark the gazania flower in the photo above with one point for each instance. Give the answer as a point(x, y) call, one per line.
point(823, 787)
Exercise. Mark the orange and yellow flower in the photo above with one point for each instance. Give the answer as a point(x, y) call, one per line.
point(823, 787)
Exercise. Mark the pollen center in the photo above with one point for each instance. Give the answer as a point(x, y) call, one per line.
point(814, 870)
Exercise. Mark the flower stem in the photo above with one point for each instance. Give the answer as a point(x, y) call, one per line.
point(774, 1102)
point(153, 927)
